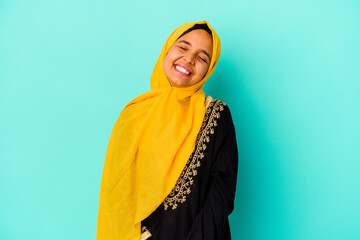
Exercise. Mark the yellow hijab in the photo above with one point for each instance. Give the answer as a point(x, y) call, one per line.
point(148, 148)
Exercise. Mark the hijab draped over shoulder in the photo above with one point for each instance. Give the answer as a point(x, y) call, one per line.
point(149, 146)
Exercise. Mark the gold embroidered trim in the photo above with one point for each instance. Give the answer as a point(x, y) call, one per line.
point(145, 233)
point(182, 187)
point(208, 101)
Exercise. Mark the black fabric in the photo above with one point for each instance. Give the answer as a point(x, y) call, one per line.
point(201, 201)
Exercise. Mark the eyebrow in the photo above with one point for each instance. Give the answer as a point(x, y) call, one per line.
point(205, 52)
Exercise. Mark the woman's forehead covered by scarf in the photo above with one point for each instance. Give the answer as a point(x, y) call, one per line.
point(158, 78)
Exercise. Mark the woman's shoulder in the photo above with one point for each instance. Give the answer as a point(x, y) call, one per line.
point(220, 105)
point(218, 114)
point(218, 109)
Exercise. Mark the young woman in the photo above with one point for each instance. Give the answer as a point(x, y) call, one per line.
point(171, 164)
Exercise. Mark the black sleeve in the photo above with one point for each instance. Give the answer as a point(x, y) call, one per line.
point(212, 220)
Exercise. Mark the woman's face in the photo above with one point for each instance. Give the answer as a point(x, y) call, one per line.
point(188, 59)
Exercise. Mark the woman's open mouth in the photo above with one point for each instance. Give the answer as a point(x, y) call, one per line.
point(182, 71)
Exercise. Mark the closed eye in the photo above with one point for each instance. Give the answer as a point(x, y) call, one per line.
point(203, 59)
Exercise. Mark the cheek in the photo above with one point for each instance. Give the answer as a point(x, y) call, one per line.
point(167, 65)
point(203, 69)
point(168, 59)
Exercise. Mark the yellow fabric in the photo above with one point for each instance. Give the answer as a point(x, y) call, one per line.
point(149, 146)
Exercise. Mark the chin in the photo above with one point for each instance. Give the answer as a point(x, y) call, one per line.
point(178, 83)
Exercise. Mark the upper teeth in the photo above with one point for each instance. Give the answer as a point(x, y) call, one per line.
point(182, 70)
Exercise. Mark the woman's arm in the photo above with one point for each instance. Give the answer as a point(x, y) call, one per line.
point(212, 220)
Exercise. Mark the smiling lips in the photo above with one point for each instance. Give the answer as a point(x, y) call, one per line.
point(183, 70)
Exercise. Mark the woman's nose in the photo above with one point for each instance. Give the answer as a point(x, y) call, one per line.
point(189, 58)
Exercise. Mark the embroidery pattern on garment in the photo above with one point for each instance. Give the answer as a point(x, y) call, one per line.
point(183, 185)
point(145, 233)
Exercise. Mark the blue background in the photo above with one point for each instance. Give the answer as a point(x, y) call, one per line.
point(289, 71)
